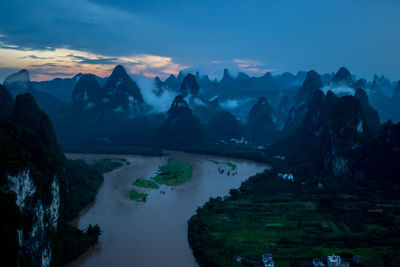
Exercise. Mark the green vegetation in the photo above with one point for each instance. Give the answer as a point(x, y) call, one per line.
point(174, 173)
point(298, 221)
point(108, 165)
point(145, 183)
point(232, 166)
point(70, 243)
point(213, 161)
point(135, 195)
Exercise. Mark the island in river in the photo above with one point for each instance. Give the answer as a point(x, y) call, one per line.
point(154, 233)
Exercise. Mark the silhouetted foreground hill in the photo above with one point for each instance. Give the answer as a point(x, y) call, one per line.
point(40, 189)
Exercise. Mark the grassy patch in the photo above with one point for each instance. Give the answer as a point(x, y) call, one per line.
point(232, 166)
point(213, 161)
point(138, 196)
point(146, 183)
point(173, 173)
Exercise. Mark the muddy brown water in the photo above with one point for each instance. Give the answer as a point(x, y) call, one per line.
point(153, 233)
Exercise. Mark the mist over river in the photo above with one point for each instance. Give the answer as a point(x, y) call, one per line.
point(154, 233)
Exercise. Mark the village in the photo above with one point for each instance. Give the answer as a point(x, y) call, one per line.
point(331, 261)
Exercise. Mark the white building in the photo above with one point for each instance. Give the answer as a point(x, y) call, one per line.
point(268, 260)
point(286, 176)
point(334, 261)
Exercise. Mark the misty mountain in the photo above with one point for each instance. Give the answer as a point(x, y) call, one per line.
point(117, 111)
point(217, 122)
point(18, 83)
point(260, 125)
point(87, 90)
point(181, 128)
point(122, 93)
point(388, 107)
point(189, 85)
point(331, 129)
point(311, 85)
point(384, 84)
point(288, 80)
point(342, 76)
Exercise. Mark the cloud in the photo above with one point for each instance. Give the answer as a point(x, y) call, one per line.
point(160, 102)
point(338, 90)
point(151, 65)
point(68, 62)
point(238, 107)
point(100, 60)
point(251, 66)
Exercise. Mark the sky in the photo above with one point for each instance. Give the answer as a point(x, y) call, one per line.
point(57, 38)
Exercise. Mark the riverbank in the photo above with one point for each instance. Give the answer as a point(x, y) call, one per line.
point(137, 231)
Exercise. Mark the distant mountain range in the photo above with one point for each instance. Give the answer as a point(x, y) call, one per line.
point(259, 109)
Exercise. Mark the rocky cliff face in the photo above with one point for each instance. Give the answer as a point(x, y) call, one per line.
point(311, 85)
point(332, 128)
point(6, 103)
point(34, 240)
point(87, 91)
point(122, 94)
point(40, 185)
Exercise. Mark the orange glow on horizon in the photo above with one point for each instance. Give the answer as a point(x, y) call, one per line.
point(66, 63)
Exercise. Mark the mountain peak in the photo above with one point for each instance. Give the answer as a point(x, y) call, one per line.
point(227, 77)
point(242, 76)
point(342, 75)
point(189, 85)
point(311, 84)
point(181, 76)
point(119, 69)
point(87, 89)
point(268, 74)
point(179, 109)
point(20, 76)
point(121, 84)
point(260, 125)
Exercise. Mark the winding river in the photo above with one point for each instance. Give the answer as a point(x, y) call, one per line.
point(153, 233)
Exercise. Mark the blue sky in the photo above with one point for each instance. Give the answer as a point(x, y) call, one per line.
point(154, 37)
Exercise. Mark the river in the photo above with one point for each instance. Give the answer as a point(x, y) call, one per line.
point(153, 233)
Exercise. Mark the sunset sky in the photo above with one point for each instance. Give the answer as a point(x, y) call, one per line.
point(54, 38)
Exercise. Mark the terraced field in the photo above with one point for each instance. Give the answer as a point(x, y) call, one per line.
point(298, 222)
